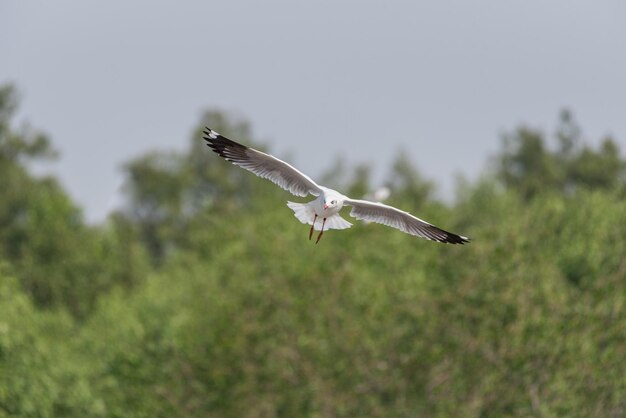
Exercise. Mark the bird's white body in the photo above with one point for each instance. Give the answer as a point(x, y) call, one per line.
point(326, 206)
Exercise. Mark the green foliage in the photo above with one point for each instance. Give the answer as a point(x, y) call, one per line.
point(530, 167)
point(59, 260)
point(40, 375)
point(25, 144)
point(242, 316)
point(165, 191)
point(261, 322)
point(407, 182)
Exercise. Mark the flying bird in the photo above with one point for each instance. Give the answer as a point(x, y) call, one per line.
point(323, 212)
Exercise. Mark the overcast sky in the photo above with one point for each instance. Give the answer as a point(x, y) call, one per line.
point(109, 80)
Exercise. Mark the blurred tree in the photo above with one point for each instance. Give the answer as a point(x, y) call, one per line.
point(526, 163)
point(18, 146)
point(568, 135)
point(408, 185)
point(156, 183)
point(360, 182)
point(59, 260)
point(601, 169)
point(165, 191)
point(333, 175)
point(40, 374)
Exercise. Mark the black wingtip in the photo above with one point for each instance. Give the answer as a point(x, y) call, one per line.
point(435, 233)
point(212, 137)
point(223, 146)
point(461, 240)
point(455, 239)
point(445, 237)
point(219, 142)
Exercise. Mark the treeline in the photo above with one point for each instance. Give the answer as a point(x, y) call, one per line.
point(202, 296)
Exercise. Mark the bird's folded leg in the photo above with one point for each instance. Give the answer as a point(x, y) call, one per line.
point(321, 232)
point(312, 225)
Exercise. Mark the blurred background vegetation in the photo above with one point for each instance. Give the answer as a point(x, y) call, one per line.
point(202, 296)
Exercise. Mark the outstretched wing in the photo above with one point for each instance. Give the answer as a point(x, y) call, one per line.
point(262, 164)
point(404, 221)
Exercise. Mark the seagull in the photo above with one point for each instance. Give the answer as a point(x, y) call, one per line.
point(323, 212)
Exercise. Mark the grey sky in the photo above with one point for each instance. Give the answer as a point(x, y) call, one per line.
point(109, 80)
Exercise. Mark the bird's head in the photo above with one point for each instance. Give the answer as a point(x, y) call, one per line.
point(331, 202)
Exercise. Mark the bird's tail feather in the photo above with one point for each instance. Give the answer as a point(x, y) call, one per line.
point(305, 214)
point(333, 222)
point(303, 211)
